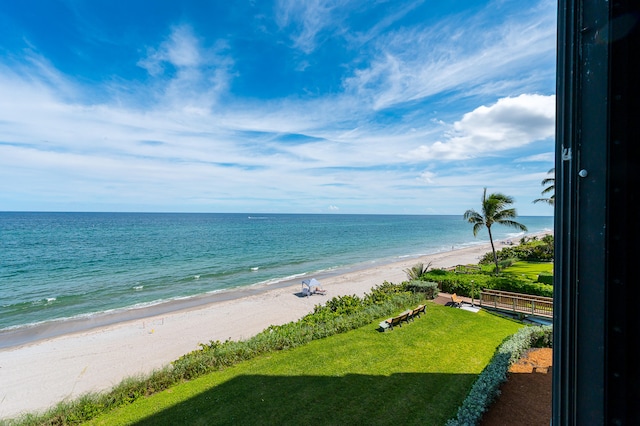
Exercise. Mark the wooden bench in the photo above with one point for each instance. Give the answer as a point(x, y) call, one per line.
point(397, 320)
point(417, 311)
point(403, 317)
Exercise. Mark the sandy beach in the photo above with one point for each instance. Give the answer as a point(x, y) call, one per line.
point(38, 375)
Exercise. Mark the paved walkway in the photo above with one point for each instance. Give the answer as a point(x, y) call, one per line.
point(444, 298)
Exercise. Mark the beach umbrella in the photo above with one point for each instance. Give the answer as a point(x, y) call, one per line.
point(311, 283)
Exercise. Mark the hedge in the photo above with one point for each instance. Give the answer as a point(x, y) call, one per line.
point(487, 387)
point(461, 284)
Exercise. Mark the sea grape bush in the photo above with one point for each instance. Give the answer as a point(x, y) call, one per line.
point(428, 288)
point(487, 387)
point(505, 263)
point(345, 305)
point(461, 284)
point(545, 278)
point(520, 285)
point(533, 250)
point(384, 292)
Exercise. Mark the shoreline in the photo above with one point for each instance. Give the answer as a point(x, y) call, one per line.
point(26, 334)
point(39, 374)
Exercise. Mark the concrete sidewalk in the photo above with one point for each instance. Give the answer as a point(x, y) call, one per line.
point(444, 298)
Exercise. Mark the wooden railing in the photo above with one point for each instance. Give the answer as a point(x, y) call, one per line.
point(517, 302)
point(464, 269)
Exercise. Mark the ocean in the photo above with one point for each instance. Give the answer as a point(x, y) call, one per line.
point(57, 267)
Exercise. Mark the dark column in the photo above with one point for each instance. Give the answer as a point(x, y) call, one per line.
point(596, 297)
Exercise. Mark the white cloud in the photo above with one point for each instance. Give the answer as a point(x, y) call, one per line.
point(507, 124)
point(457, 54)
point(309, 18)
point(181, 50)
point(548, 157)
point(427, 177)
point(188, 74)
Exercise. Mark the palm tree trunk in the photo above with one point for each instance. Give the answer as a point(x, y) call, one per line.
point(493, 249)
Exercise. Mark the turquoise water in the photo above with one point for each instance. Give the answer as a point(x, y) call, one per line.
point(57, 266)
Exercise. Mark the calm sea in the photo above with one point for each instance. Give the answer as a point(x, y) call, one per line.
point(56, 266)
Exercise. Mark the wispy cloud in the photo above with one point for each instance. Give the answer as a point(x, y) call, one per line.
point(181, 51)
point(372, 33)
point(187, 72)
point(546, 157)
point(460, 53)
point(309, 19)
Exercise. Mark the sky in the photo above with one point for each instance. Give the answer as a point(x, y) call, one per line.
point(292, 106)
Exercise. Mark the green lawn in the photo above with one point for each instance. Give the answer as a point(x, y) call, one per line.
point(529, 269)
point(415, 374)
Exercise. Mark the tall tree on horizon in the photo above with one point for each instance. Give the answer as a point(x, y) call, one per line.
point(551, 181)
point(494, 210)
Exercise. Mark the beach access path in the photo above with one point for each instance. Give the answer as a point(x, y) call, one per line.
point(38, 375)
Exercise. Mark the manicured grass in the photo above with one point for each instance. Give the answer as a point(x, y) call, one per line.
point(417, 374)
point(530, 269)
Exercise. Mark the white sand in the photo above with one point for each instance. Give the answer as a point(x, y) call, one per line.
point(36, 376)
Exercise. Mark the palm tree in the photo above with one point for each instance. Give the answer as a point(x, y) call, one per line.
point(494, 210)
point(417, 271)
point(551, 181)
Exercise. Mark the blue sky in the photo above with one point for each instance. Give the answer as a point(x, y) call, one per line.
point(344, 106)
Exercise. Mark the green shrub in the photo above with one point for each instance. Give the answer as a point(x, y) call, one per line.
point(532, 250)
point(428, 288)
point(382, 293)
point(438, 272)
point(519, 285)
point(541, 337)
point(461, 284)
point(487, 387)
point(505, 263)
point(545, 278)
point(345, 305)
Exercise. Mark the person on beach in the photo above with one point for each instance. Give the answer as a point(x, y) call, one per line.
point(318, 290)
